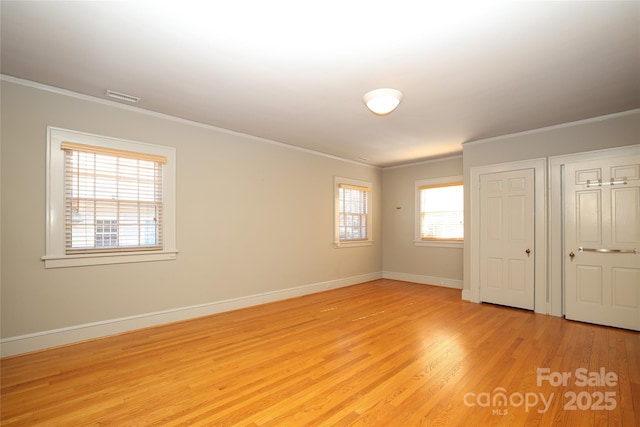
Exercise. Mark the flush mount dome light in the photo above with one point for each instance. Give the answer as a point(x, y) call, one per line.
point(382, 101)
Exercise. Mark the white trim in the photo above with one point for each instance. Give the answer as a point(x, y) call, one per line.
point(82, 260)
point(55, 254)
point(35, 85)
point(554, 127)
point(57, 337)
point(540, 252)
point(353, 244)
point(556, 232)
point(337, 243)
point(181, 120)
point(466, 295)
point(427, 161)
point(423, 280)
point(440, 244)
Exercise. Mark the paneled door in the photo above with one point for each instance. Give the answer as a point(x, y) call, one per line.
point(602, 241)
point(507, 232)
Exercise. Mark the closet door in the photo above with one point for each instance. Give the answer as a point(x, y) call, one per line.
point(602, 241)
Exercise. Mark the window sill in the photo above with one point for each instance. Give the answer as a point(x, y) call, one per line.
point(102, 259)
point(354, 244)
point(440, 244)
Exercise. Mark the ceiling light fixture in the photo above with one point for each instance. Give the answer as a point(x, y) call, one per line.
point(382, 101)
point(122, 96)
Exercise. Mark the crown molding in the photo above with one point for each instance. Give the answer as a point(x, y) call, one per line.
point(554, 127)
point(89, 98)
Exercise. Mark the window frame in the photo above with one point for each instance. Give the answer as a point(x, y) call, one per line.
point(434, 182)
point(337, 243)
point(55, 243)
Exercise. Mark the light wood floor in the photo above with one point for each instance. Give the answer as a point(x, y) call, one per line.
point(383, 353)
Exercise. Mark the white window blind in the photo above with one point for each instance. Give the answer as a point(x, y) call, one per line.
point(354, 212)
point(113, 200)
point(442, 211)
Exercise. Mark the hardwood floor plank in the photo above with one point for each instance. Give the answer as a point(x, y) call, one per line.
point(383, 353)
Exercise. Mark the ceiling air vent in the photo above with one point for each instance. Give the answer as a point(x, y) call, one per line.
point(122, 96)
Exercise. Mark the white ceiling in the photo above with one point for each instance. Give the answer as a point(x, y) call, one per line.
point(296, 71)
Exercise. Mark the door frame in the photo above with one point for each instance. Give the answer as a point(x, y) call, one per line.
point(539, 167)
point(556, 217)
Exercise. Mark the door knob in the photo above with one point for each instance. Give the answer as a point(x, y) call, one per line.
point(528, 252)
point(571, 255)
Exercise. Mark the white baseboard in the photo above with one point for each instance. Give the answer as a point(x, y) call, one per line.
point(466, 294)
point(73, 334)
point(424, 280)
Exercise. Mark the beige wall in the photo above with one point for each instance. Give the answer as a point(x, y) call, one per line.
point(225, 253)
point(615, 130)
point(253, 217)
point(400, 255)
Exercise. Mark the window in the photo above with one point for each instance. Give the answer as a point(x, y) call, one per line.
point(353, 213)
point(440, 212)
point(106, 233)
point(113, 200)
point(108, 200)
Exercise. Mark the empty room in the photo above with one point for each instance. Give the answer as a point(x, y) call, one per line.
point(330, 213)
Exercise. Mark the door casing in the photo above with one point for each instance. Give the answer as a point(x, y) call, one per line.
point(540, 236)
point(549, 279)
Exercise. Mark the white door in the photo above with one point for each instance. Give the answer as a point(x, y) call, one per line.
point(602, 241)
point(507, 233)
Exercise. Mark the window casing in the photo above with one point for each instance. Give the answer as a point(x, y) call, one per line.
point(352, 213)
point(108, 200)
point(440, 212)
